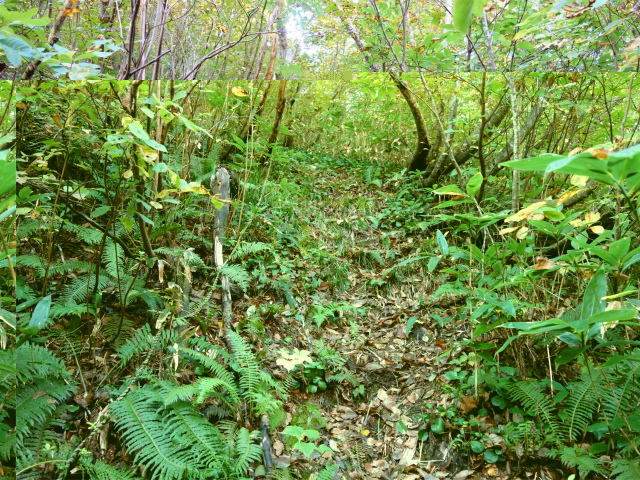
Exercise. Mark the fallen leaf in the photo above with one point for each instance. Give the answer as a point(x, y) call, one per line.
point(543, 264)
point(591, 217)
point(466, 404)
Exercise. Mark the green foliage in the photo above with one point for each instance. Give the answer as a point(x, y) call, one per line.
point(578, 458)
point(534, 401)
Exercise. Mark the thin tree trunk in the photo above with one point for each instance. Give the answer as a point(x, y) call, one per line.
point(265, 40)
point(272, 59)
point(51, 39)
point(279, 112)
point(419, 159)
point(515, 189)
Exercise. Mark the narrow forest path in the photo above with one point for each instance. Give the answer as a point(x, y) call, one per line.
point(389, 366)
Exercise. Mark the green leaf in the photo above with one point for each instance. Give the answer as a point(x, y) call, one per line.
point(613, 316)
point(149, 113)
point(584, 164)
point(145, 219)
point(14, 48)
point(100, 211)
point(127, 223)
point(438, 425)
point(462, 11)
point(533, 164)
point(410, 322)
point(401, 427)
point(442, 243)
point(155, 145)
point(568, 354)
point(160, 167)
point(474, 184)
point(433, 263)
point(597, 288)
point(306, 448)
point(139, 132)
point(490, 456)
point(619, 248)
point(553, 215)
point(41, 313)
point(449, 190)
point(476, 446)
point(294, 431)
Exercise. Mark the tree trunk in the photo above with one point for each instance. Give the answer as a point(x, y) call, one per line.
point(469, 147)
point(279, 112)
point(419, 160)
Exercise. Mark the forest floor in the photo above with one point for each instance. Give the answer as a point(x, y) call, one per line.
point(341, 231)
point(382, 341)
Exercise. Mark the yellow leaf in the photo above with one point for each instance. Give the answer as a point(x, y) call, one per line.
point(365, 432)
point(591, 217)
point(157, 205)
point(148, 154)
point(127, 175)
point(239, 92)
point(522, 233)
point(579, 180)
point(56, 118)
point(525, 212)
point(504, 231)
point(597, 229)
point(575, 151)
point(577, 222)
point(566, 196)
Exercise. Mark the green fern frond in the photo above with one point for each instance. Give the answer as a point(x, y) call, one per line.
point(246, 450)
point(578, 458)
point(244, 249)
point(533, 400)
point(626, 469)
point(580, 406)
point(209, 361)
point(34, 362)
point(237, 274)
point(114, 259)
point(143, 432)
point(104, 471)
point(36, 402)
point(70, 265)
point(91, 236)
point(39, 264)
point(72, 308)
point(328, 473)
point(144, 340)
point(76, 291)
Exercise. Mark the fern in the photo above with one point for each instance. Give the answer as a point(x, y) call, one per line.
point(328, 473)
point(626, 469)
point(580, 406)
point(585, 463)
point(143, 431)
point(143, 340)
point(176, 441)
point(528, 394)
point(244, 249)
point(104, 471)
point(237, 274)
point(76, 291)
point(44, 385)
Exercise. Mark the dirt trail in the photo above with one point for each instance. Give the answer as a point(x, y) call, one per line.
point(375, 421)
